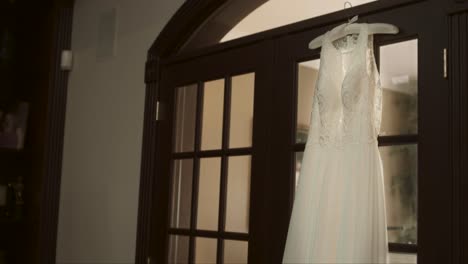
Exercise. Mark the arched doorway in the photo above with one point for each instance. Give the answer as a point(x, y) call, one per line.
point(193, 162)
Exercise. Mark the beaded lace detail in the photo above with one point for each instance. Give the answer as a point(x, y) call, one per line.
point(347, 103)
point(345, 44)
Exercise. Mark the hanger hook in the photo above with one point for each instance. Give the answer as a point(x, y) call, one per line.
point(350, 20)
point(347, 2)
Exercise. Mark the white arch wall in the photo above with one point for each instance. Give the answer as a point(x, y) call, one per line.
point(276, 13)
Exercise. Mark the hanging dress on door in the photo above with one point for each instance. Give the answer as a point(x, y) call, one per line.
point(338, 214)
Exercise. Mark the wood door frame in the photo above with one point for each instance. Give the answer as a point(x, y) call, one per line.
point(458, 86)
point(48, 28)
point(44, 138)
point(243, 60)
point(167, 49)
point(61, 20)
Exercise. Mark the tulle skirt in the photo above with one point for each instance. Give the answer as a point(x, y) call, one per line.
point(339, 212)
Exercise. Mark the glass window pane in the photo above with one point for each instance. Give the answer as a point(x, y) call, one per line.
point(399, 80)
point(400, 173)
point(181, 193)
point(307, 76)
point(178, 249)
point(298, 158)
point(208, 193)
point(205, 250)
point(235, 251)
point(185, 113)
point(212, 119)
point(242, 104)
point(238, 194)
point(276, 13)
point(401, 258)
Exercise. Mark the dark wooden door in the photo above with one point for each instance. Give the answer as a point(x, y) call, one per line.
point(212, 166)
point(213, 140)
point(414, 137)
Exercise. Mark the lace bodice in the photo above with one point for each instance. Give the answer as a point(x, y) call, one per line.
point(347, 103)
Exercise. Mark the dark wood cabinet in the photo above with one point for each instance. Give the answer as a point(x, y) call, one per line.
point(32, 34)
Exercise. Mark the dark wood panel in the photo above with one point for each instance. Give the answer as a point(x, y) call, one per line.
point(216, 26)
point(147, 182)
point(433, 129)
point(403, 248)
point(458, 71)
point(63, 18)
point(42, 29)
point(211, 234)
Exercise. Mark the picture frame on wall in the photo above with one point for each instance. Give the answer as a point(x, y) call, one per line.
point(13, 124)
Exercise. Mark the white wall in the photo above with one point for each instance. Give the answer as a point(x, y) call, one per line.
point(103, 134)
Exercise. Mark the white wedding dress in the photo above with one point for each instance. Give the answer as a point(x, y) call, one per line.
point(339, 212)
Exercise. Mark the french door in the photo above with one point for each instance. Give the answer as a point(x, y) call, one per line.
point(232, 127)
point(414, 135)
point(214, 138)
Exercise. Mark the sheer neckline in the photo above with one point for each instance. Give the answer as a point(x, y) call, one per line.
point(354, 50)
point(353, 54)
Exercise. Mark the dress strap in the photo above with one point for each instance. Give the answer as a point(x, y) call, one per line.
point(375, 85)
point(363, 37)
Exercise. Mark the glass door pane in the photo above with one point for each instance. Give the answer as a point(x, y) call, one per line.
point(399, 79)
point(241, 117)
point(211, 170)
point(186, 103)
point(400, 171)
point(399, 139)
point(205, 250)
point(307, 76)
point(178, 249)
point(238, 194)
point(212, 118)
point(235, 251)
point(398, 134)
point(181, 202)
point(208, 194)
